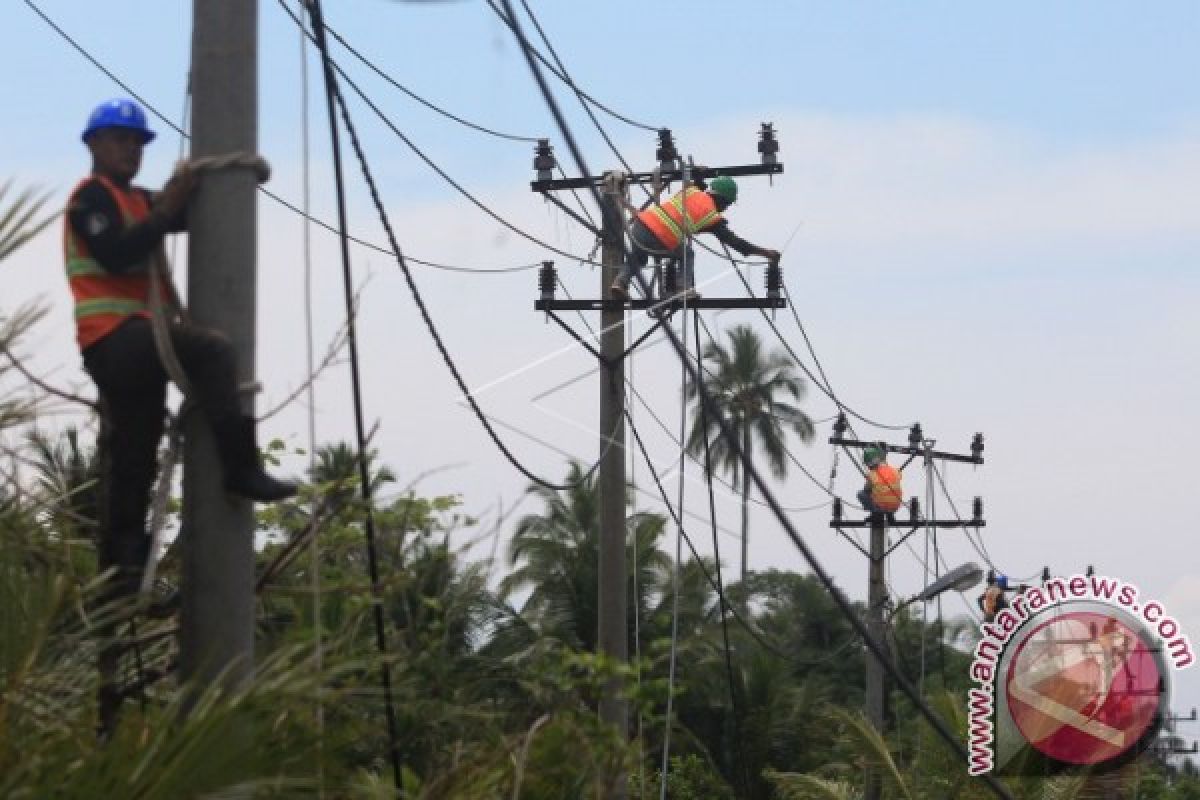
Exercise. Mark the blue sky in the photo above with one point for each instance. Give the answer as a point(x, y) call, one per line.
point(999, 230)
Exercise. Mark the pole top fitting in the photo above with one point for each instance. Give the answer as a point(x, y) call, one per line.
point(547, 280)
point(839, 427)
point(768, 145)
point(915, 435)
point(666, 153)
point(977, 447)
point(543, 160)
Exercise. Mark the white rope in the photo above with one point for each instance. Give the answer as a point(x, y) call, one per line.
point(314, 548)
point(666, 763)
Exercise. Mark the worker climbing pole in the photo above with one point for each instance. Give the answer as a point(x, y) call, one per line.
point(116, 268)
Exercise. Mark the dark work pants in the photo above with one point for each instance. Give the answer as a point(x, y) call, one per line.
point(133, 392)
point(643, 244)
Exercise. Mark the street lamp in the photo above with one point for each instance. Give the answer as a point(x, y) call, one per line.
point(961, 578)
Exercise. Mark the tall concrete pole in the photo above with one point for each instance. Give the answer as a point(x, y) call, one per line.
point(876, 598)
point(217, 626)
point(612, 626)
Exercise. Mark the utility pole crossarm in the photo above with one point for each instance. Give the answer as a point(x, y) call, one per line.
point(665, 176)
point(648, 304)
point(910, 450)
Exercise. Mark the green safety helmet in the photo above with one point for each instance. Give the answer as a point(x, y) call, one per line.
point(873, 456)
point(723, 187)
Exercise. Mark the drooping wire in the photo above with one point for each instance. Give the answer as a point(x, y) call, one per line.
point(365, 487)
point(431, 106)
point(433, 165)
point(131, 92)
point(878, 649)
point(311, 392)
point(791, 457)
point(821, 383)
point(398, 254)
point(979, 546)
point(817, 361)
point(562, 76)
point(675, 571)
point(741, 769)
point(676, 518)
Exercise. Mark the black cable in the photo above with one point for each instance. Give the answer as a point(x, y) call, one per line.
point(290, 206)
point(380, 249)
point(712, 513)
point(562, 76)
point(791, 457)
point(670, 434)
point(878, 650)
point(979, 548)
point(371, 66)
point(425, 316)
point(677, 519)
point(796, 316)
point(579, 94)
point(314, 10)
point(433, 164)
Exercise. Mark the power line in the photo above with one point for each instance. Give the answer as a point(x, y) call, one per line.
point(385, 221)
point(713, 342)
point(365, 486)
point(445, 176)
point(129, 90)
point(878, 649)
point(562, 76)
point(431, 106)
point(796, 316)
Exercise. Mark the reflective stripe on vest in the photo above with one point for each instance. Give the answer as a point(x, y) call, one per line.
point(886, 493)
point(688, 212)
point(104, 299)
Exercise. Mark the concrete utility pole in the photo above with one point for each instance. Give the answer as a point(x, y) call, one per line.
point(612, 626)
point(612, 581)
point(217, 626)
point(876, 677)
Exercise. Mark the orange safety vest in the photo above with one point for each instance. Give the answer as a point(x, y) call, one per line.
point(103, 300)
point(886, 493)
point(691, 210)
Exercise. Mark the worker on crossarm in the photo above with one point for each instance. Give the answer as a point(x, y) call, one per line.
point(994, 600)
point(664, 229)
point(113, 239)
point(882, 493)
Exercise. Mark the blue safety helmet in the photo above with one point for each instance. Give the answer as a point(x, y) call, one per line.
point(1002, 581)
point(119, 113)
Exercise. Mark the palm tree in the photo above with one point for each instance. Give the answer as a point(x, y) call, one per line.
point(556, 554)
point(754, 395)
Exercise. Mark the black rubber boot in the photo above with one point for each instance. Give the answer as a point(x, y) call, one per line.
point(244, 474)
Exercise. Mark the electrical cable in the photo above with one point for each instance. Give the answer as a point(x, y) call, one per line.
point(791, 509)
point(791, 457)
point(125, 87)
point(712, 513)
point(314, 546)
point(878, 650)
point(754, 634)
point(567, 80)
point(979, 548)
point(365, 488)
point(433, 165)
point(796, 316)
point(432, 107)
point(823, 384)
point(385, 221)
point(675, 567)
